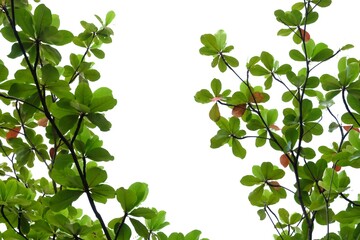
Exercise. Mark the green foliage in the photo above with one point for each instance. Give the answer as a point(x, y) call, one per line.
point(55, 113)
point(316, 176)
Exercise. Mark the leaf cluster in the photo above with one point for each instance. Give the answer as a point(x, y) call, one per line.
point(54, 114)
point(315, 174)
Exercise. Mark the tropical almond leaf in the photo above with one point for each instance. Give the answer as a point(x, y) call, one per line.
point(12, 133)
point(238, 110)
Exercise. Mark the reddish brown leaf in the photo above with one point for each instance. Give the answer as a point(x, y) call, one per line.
point(12, 133)
point(284, 160)
point(257, 97)
point(337, 168)
point(348, 127)
point(239, 110)
point(43, 122)
point(52, 153)
point(304, 35)
point(275, 185)
point(273, 126)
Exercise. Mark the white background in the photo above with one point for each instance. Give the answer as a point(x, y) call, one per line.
point(160, 135)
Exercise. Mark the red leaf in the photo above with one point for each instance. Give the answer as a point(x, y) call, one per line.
point(239, 110)
point(13, 133)
point(284, 160)
point(304, 35)
point(337, 168)
point(348, 127)
point(52, 153)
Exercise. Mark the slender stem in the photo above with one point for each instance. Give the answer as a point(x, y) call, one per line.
point(8, 222)
point(347, 106)
point(267, 210)
point(325, 60)
point(281, 82)
point(76, 72)
point(120, 225)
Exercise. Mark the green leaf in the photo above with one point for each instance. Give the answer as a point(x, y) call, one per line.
point(256, 195)
point(139, 228)
point(284, 32)
point(297, 55)
point(203, 96)
point(146, 213)
point(233, 62)
point(216, 86)
point(252, 62)
point(89, 27)
point(4, 72)
point(238, 149)
point(250, 180)
point(8, 34)
point(51, 54)
point(268, 60)
point(59, 38)
point(283, 69)
point(348, 216)
point(25, 21)
point(109, 17)
point(284, 215)
point(193, 235)
point(126, 198)
point(214, 113)
point(42, 18)
point(158, 222)
point(64, 199)
point(307, 153)
point(347, 46)
point(83, 93)
point(102, 100)
point(220, 139)
point(101, 193)
point(49, 74)
point(176, 236)
point(323, 55)
point(209, 41)
point(329, 82)
point(220, 37)
point(124, 233)
point(22, 90)
point(95, 176)
point(262, 214)
point(92, 75)
point(98, 53)
point(99, 154)
point(99, 120)
point(311, 18)
point(222, 65)
point(322, 3)
point(258, 70)
point(141, 190)
point(60, 88)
